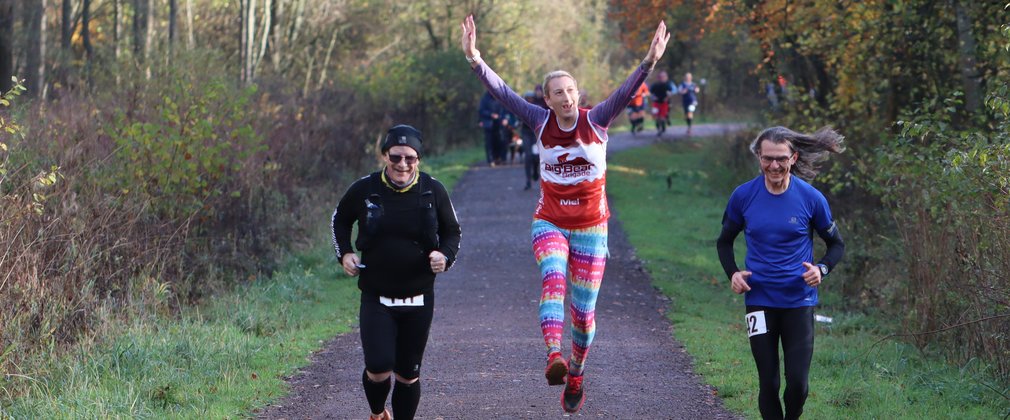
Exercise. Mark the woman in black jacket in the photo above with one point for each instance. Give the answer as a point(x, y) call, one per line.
point(407, 233)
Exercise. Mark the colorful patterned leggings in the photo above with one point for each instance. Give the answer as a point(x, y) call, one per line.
point(583, 254)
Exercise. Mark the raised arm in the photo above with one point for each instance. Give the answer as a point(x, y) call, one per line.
point(605, 112)
point(527, 112)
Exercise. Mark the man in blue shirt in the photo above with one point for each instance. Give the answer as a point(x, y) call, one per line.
point(490, 112)
point(689, 99)
point(779, 213)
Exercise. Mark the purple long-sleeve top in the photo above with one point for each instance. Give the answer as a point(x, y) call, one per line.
point(573, 160)
point(600, 115)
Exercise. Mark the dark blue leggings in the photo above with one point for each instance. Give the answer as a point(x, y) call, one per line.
point(795, 328)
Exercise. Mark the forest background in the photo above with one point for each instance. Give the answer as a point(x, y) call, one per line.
point(155, 153)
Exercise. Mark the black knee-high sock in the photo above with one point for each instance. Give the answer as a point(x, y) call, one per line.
point(689, 122)
point(375, 393)
point(405, 399)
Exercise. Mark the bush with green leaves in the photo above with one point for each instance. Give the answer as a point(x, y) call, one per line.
point(950, 191)
point(187, 150)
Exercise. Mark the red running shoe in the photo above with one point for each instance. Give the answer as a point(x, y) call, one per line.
point(574, 395)
point(556, 370)
point(384, 416)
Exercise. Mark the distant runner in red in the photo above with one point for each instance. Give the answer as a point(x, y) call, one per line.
point(570, 223)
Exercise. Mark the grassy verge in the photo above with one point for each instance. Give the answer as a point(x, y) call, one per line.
point(852, 376)
point(220, 360)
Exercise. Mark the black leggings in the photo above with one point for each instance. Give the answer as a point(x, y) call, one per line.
point(795, 327)
point(394, 338)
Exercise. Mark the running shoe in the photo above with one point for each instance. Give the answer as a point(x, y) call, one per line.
point(557, 369)
point(384, 416)
point(574, 395)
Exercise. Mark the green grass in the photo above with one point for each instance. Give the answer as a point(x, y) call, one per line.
point(674, 232)
point(449, 167)
point(220, 360)
point(217, 361)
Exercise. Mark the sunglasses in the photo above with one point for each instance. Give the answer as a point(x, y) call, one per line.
point(397, 158)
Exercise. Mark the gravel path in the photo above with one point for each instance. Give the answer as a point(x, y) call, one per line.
point(485, 357)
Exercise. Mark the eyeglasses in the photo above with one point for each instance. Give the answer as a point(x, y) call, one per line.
point(767, 160)
point(397, 158)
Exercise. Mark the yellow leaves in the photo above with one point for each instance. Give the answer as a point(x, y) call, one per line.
point(47, 179)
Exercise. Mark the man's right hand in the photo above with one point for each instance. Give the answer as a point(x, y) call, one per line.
point(350, 262)
point(739, 282)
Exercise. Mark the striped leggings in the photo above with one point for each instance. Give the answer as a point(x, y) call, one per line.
point(583, 254)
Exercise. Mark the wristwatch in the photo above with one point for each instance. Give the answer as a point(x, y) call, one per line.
point(824, 269)
point(473, 59)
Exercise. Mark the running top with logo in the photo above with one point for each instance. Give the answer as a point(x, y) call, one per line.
point(573, 163)
point(779, 235)
point(690, 96)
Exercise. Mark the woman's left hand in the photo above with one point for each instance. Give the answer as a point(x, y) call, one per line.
point(439, 263)
point(813, 274)
point(658, 45)
point(468, 40)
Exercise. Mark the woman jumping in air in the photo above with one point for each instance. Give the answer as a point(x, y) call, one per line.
point(570, 222)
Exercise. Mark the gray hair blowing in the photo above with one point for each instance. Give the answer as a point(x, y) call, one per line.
point(811, 149)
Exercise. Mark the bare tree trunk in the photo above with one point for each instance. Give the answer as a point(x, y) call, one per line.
point(436, 42)
point(296, 23)
point(67, 24)
point(326, 59)
point(35, 24)
point(190, 41)
point(971, 78)
point(277, 43)
point(139, 29)
point(6, 44)
point(250, 42)
point(173, 11)
point(243, 4)
point(264, 43)
point(308, 74)
point(148, 30)
point(89, 50)
point(117, 30)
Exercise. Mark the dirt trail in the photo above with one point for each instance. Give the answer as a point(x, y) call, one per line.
point(485, 357)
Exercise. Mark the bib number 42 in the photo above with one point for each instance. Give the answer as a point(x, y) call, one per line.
point(756, 323)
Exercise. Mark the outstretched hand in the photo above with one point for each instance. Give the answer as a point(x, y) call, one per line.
point(658, 45)
point(469, 38)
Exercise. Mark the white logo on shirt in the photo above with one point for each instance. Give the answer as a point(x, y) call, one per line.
point(565, 202)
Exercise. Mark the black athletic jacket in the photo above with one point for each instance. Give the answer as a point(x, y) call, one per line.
point(396, 232)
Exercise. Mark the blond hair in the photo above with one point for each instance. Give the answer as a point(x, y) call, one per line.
point(556, 74)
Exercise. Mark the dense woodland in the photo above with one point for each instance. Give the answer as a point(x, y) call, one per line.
point(156, 150)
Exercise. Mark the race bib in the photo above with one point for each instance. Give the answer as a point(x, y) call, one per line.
point(409, 301)
point(756, 323)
